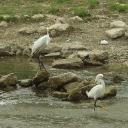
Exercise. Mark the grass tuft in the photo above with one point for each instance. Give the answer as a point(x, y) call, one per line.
point(81, 12)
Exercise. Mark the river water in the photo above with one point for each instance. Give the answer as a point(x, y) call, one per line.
point(24, 108)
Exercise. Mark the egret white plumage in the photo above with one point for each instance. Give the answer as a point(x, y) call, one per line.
point(98, 90)
point(39, 46)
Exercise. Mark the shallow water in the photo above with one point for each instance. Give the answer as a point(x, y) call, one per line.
point(24, 108)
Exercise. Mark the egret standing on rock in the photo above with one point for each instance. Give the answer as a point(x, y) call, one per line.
point(39, 46)
point(98, 90)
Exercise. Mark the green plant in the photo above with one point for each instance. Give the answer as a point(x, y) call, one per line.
point(93, 3)
point(119, 7)
point(81, 12)
point(53, 10)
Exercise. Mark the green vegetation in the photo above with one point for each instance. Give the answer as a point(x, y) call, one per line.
point(119, 7)
point(81, 12)
point(93, 3)
point(17, 9)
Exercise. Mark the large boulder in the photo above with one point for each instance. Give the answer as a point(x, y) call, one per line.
point(40, 77)
point(60, 80)
point(70, 86)
point(116, 32)
point(75, 95)
point(68, 63)
point(8, 80)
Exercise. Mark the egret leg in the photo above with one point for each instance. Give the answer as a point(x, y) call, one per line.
point(40, 62)
point(99, 106)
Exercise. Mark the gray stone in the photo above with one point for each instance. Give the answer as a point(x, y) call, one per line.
point(68, 63)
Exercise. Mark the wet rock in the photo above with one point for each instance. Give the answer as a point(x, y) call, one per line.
point(89, 62)
point(3, 24)
point(68, 63)
point(116, 32)
point(43, 85)
point(59, 94)
point(52, 48)
point(110, 91)
point(25, 83)
point(8, 80)
point(40, 77)
point(117, 78)
point(75, 95)
point(5, 51)
point(60, 80)
point(117, 24)
point(70, 86)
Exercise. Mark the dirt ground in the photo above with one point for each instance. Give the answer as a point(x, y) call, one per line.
point(90, 35)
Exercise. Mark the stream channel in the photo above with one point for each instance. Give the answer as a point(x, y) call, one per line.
point(23, 108)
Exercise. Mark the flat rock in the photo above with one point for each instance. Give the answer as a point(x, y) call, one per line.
point(116, 32)
point(59, 94)
point(117, 24)
point(54, 55)
point(68, 63)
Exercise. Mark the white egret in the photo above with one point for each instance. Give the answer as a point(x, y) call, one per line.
point(97, 91)
point(39, 46)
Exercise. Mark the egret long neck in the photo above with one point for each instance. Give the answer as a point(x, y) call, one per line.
point(47, 32)
point(102, 83)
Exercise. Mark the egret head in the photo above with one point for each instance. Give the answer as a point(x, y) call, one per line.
point(98, 78)
point(47, 29)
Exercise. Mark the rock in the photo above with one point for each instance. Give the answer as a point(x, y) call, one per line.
point(72, 56)
point(86, 88)
point(68, 63)
point(126, 34)
point(117, 24)
point(77, 18)
point(38, 16)
point(17, 48)
point(8, 80)
point(82, 55)
point(70, 86)
point(25, 83)
point(52, 48)
point(59, 27)
point(101, 17)
point(98, 55)
point(110, 91)
point(114, 33)
point(75, 95)
point(59, 94)
point(42, 30)
point(18, 53)
point(61, 21)
point(53, 33)
point(27, 52)
point(3, 24)
point(105, 25)
point(53, 55)
point(5, 51)
point(40, 77)
point(26, 30)
point(43, 85)
point(60, 80)
point(77, 47)
point(89, 62)
point(117, 78)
